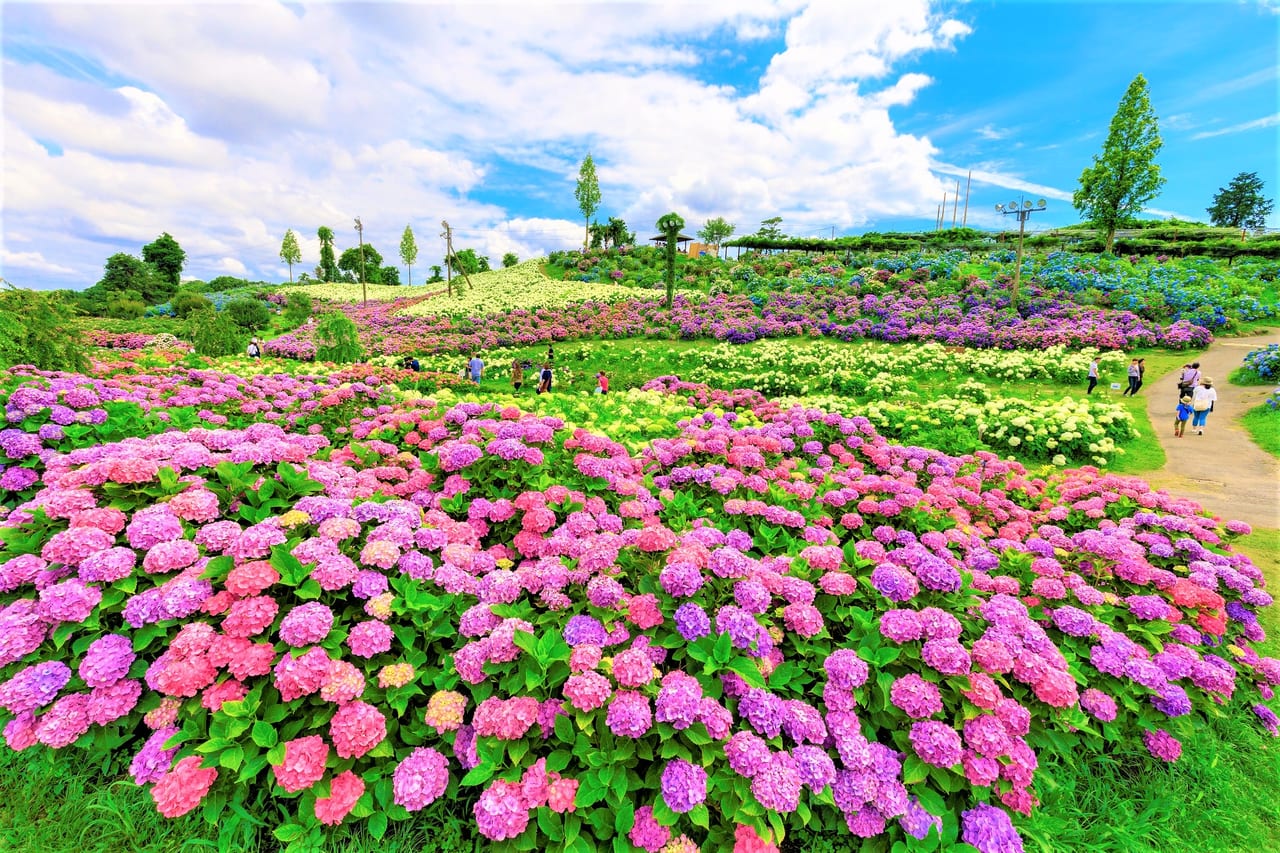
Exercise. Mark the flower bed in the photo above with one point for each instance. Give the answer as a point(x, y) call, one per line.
point(748, 626)
point(1260, 367)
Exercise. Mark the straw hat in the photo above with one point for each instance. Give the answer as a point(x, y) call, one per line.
point(1205, 380)
point(1185, 400)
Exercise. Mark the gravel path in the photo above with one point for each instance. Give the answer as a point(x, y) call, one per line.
point(1223, 470)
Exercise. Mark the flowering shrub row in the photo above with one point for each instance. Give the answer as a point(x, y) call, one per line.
point(1261, 366)
point(750, 625)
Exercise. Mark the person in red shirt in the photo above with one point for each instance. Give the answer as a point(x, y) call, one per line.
point(603, 382)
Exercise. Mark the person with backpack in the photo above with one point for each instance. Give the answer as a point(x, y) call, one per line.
point(1189, 379)
point(544, 380)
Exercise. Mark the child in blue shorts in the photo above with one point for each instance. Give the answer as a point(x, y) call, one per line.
point(1183, 415)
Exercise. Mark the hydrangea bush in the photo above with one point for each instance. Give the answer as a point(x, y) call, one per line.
point(751, 625)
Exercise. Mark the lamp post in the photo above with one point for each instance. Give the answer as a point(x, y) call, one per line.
point(1023, 211)
point(364, 290)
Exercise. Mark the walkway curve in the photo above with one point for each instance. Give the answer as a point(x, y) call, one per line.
point(1222, 470)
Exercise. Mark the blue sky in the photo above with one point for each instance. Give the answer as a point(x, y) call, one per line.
point(237, 122)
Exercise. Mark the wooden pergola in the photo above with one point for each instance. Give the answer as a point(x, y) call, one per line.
point(682, 241)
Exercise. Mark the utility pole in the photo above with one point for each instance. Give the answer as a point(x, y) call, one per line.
point(967, 181)
point(364, 290)
point(448, 258)
point(955, 204)
point(1023, 211)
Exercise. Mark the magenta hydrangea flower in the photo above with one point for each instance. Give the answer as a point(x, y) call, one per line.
point(936, 743)
point(500, 812)
point(369, 638)
point(629, 714)
point(1162, 745)
point(646, 833)
point(918, 698)
point(356, 728)
point(420, 779)
point(684, 785)
point(306, 624)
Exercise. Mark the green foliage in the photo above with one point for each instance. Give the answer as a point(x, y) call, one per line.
point(298, 307)
point(37, 328)
point(186, 302)
point(351, 260)
point(124, 308)
point(389, 276)
point(715, 231)
point(771, 229)
point(1241, 204)
point(328, 269)
point(167, 257)
point(587, 194)
point(290, 253)
point(249, 313)
point(408, 254)
point(467, 261)
point(510, 259)
point(670, 226)
point(613, 233)
point(214, 333)
point(437, 274)
point(338, 339)
point(1125, 176)
point(130, 277)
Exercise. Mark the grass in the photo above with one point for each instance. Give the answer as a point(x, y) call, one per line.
point(1263, 425)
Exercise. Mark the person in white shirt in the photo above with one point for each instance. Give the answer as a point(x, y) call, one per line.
point(1202, 400)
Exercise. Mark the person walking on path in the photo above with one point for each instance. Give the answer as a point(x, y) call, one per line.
point(1093, 375)
point(1142, 373)
point(1228, 475)
point(1202, 400)
point(1135, 375)
point(517, 374)
point(1189, 379)
point(476, 366)
point(1181, 416)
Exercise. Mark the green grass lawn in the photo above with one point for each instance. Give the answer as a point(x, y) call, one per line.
point(1263, 425)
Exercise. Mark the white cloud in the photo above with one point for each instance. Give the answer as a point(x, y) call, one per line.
point(998, 179)
point(990, 132)
point(26, 262)
point(1256, 124)
point(241, 121)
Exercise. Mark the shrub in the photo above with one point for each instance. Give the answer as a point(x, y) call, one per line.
point(186, 302)
point(298, 308)
point(249, 314)
point(125, 309)
point(1260, 367)
point(36, 328)
point(338, 339)
point(214, 333)
point(510, 259)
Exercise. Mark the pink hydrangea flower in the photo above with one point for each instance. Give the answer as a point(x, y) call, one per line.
point(182, 788)
point(357, 728)
point(303, 764)
point(344, 790)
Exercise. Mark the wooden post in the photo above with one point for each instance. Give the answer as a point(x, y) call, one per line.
point(964, 223)
point(448, 267)
point(955, 204)
point(364, 290)
point(448, 240)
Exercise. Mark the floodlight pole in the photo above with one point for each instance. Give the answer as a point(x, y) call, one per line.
point(1023, 210)
point(364, 290)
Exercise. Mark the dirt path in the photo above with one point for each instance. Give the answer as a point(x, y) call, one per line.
point(1223, 469)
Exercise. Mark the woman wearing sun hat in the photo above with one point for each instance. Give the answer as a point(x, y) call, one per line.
point(1202, 400)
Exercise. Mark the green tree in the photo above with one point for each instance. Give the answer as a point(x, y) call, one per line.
point(328, 266)
point(510, 259)
point(350, 264)
point(408, 253)
point(39, 329)
point(467, 261)
point(771, 229)
point(167, 257)
point(249, 313)
point(126, 276)
point(289, 251)
point(389, 275)
point(1124, 177)
point(214, 333)
point(437, 274)
point(588, 195)
point(338, 339)
point(716, 231)
point(297, 308)
point(670, 226)
point(1241, 204)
